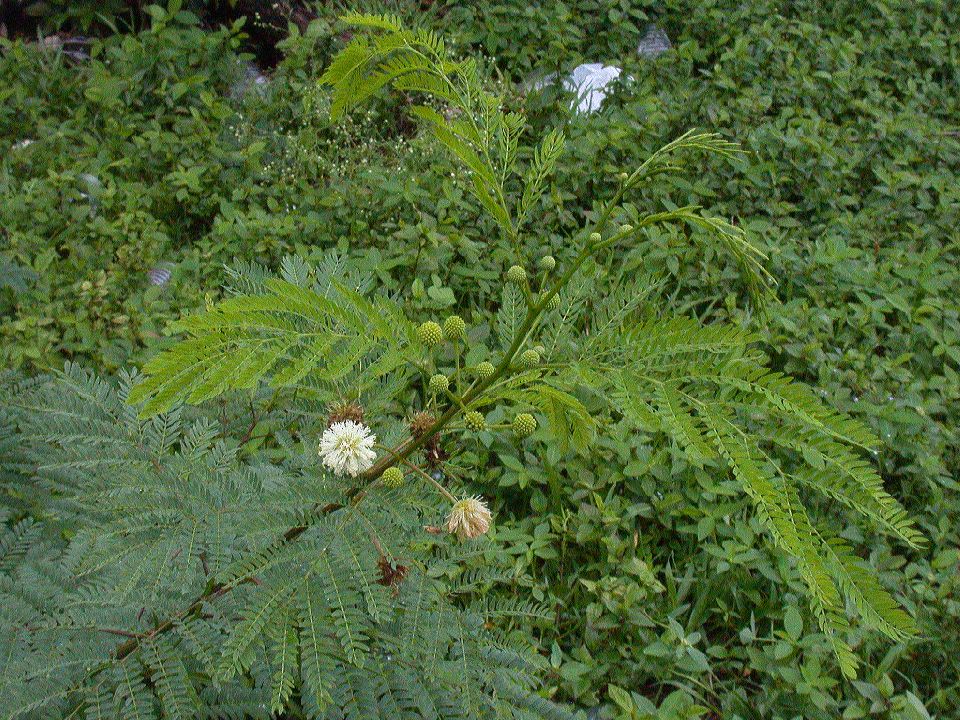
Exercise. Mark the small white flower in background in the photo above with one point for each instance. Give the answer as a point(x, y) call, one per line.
point(469, 518)
point(346, 448)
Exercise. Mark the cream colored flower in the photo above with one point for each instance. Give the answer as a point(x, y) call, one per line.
point(469, 518)
point(346, 448)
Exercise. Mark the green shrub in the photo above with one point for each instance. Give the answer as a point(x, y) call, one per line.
point(313, 636)
point(645, 563)
point(848, 183)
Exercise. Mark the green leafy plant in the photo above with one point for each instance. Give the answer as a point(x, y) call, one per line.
point(278, 586)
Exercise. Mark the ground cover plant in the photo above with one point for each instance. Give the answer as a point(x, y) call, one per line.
point(637, 569)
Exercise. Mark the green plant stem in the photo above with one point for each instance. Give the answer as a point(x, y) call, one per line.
point(410, 445)
point(534, 311)
point(426, 476)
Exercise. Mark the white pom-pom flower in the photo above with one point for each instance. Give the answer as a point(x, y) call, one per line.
point(347, 448)
point(469, 518)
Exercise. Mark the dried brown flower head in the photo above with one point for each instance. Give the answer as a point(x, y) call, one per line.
point(420, 423)
point(345, 410)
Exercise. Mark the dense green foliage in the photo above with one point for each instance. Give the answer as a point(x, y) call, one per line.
point(651, 567)
point(172, 537)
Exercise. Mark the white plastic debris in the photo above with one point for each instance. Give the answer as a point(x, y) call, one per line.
point(255, 76)
point(654, 43)
point(250, 79)
point(589, 83)
point(92, 187)
point(160, 275)
point(75, 48)
point(92, 184)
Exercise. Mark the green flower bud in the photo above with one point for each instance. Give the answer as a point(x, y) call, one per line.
point(439, 383)
point(553, 303)
point(516, 274)
point(548, 263)
point(623, 176)
point(540, 349)
point(474, 421)
point(392, 477)
point(454, 327)
point(529, 358)
point(485, 370)
point(595, 238)
point(430, 333)
point(524, 425)
point(626, 228)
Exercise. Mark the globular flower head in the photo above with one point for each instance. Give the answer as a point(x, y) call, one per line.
point(485, 370)
point(474, 421)
point(524, 425)
point(626, 227)
point(439, 383)
point(420, 423)
point(516, 274)
point(469, 518)
point(345, 411)
point(595, 238)
point(548, 263)
point(347, 448)
point(529, 358)
point(430, 333)
point(392, 477)
point(553, 303)
point(454, 327)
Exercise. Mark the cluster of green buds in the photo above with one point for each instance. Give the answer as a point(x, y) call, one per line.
point(444, 375)
point(517, 275)
point(431, 334)
point(469, 516)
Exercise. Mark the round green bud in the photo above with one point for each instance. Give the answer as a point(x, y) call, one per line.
point(626, 228)
point(474, 421)
point(392, 477)
point(529, 358)
point(548, 263)
point(454, 327)
point(439, 383)
point(540, 349)
point(485, 370)
point(553, 303)
point(595, 237)
point(430, 333)
point(524, 424)
point(516, 274)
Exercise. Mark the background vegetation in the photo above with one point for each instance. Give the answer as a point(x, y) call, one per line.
point(163, 150)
